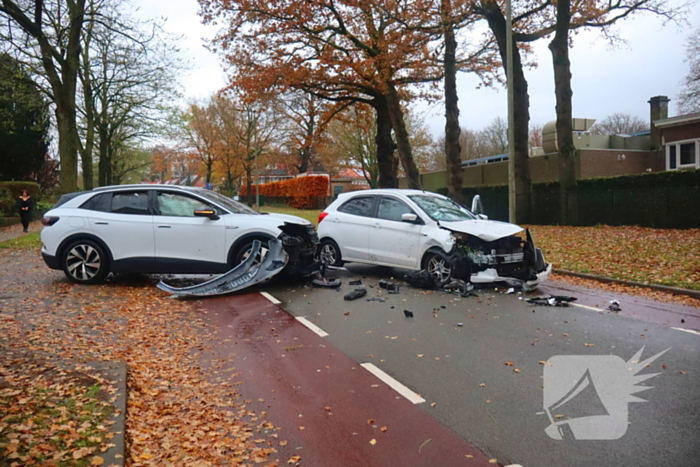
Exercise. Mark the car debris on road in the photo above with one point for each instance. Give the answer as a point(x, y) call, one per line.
point(355, 294)
point(552, 300)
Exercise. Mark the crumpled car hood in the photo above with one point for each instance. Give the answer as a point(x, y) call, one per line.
point(486, 230)
point(288, 218)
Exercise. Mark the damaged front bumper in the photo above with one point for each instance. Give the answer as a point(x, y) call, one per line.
point(508, 259)
point(293, 252)
point(242, 276)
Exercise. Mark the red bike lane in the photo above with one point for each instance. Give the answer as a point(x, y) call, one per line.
point(331, 410)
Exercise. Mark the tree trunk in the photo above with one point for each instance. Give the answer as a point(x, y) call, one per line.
point(67, 148)
point(385, 145)
point(250, 197)
point(103, 166)
point(565, 139)
point(521, 112)
point(453, 149)
point(304, 158)
point(402, 142)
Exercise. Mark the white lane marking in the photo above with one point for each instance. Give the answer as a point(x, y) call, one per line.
point(312, 326)
point(687, 330)
point(586, 307)
point(392, 383)
point(270, 297)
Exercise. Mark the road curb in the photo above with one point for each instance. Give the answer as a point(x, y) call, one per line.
point(661, 288)
point(116, 373)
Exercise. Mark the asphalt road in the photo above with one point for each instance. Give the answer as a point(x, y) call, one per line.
point(479, 364)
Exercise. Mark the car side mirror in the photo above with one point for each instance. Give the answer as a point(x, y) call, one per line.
point(410, 218)
point(210, 213)
point(483, 217)
point(477, 207)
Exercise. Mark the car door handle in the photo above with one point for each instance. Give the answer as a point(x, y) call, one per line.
point(377, 226)
point(163, 226)
point(101, 223)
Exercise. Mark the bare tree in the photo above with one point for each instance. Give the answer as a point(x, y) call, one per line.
point(128, 76)
point(689, 98)
point(535, 136)
point(48, 37)
point(619, 124)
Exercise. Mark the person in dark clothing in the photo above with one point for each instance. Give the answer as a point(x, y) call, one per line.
point(25, 204)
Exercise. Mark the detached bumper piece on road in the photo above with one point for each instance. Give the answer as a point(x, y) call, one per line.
point(292, 252)
point(242, 276)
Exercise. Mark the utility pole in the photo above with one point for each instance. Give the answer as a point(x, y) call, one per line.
point(511, 116)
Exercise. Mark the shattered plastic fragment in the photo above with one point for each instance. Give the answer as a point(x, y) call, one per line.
point(357, 282)
point(328, 284)
point(614, 306)
point(355, 294)
point(408, 314)
point(552, 300)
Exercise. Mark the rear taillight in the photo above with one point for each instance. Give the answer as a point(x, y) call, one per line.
point(322, 216)
point(48, 221)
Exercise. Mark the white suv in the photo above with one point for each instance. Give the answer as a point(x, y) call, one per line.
point(160, 229)
point(417, 230)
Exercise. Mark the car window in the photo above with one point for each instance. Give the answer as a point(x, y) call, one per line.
point(233, 206)
point(171, 204)
point(130, 202)
point(392, 209)
point(442, 209)
point(361, 206)
point(100, 202)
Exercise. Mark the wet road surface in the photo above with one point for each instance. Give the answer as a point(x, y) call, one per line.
point(479, 363)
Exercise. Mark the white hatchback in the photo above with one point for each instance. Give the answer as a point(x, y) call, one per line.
point(419, 230)
point(161, 229)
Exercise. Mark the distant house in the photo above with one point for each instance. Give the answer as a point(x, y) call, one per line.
point(671, 144)
point(349, 179)
point(680, 139)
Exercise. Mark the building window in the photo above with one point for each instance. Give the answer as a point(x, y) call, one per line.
point(683, 155)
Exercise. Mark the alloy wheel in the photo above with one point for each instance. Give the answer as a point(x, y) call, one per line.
point(83, 262)
point(439, 269)
point(328, 254)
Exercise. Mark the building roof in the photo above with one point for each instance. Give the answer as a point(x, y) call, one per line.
point(678, 120)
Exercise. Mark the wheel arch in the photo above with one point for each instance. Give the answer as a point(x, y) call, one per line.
point(60, 251)
point(243, 239)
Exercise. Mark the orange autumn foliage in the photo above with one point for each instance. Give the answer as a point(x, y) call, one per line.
point(300, 192)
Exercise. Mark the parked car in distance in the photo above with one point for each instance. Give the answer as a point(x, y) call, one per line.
point(417, 230)
point(161, 229)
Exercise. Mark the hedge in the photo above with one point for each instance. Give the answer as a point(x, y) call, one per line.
point(10, 191)
point(660, 200)
point(300, 192)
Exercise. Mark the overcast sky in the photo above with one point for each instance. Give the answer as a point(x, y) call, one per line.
point(604, 79)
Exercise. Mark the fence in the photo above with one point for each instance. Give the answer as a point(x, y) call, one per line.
point(664, 200)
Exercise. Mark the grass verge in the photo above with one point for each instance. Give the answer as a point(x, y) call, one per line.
point(310, 215)
point(30, 241)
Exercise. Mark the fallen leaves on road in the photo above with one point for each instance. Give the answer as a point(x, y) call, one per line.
point(182, 405)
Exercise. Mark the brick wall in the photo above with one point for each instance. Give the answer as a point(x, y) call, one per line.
point(608, 163)
point(680, 133)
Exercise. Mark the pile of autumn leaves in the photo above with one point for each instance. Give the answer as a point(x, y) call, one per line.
point(300, 192)
point(652, 256)
point(178, 412)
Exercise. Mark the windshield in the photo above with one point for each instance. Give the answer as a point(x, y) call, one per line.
point(233, 206)
point(442, 209)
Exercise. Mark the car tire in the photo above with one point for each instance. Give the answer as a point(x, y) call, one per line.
point(244, 250)
point(438, 266)
point(329, 253)
point(85, 262)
